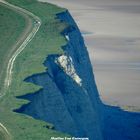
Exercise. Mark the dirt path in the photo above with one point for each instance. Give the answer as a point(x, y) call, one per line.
point(24, 39)
point(18, 41)
point(27, 35)
point(4, 134)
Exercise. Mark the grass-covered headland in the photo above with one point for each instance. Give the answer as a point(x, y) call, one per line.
point(48, 40)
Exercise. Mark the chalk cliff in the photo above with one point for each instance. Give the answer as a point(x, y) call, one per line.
point(69, 98)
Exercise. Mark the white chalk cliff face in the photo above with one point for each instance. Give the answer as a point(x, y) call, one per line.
point(66, 63)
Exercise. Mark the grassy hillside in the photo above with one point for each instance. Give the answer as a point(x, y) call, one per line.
point(47, 41)
point(11, 27)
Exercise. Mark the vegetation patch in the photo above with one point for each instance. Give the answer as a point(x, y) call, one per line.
point(11, 27)
point(48, 40)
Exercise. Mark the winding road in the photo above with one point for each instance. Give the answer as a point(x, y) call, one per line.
point(24, 43)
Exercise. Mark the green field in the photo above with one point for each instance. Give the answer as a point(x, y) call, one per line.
point(11, 27)
point(47, 41)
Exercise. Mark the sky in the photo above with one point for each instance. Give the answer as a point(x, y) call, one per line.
point(111, 30)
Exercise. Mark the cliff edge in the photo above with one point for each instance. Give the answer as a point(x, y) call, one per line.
point(69, 98)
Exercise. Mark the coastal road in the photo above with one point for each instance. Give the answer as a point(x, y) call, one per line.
point(20, 45)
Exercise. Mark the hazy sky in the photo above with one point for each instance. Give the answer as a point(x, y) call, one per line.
point(111, 29)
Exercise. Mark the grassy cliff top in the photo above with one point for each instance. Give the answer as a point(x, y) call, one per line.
point(30, 61)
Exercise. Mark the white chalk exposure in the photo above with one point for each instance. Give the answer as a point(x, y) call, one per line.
point(67, 37)
point(67, 65)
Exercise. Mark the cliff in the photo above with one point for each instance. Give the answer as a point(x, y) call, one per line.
point(69, 98)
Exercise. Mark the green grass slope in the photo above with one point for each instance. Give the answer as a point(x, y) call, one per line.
point(47, 41)
point(11, 26)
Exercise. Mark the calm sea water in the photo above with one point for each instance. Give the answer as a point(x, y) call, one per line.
point(111, 29)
